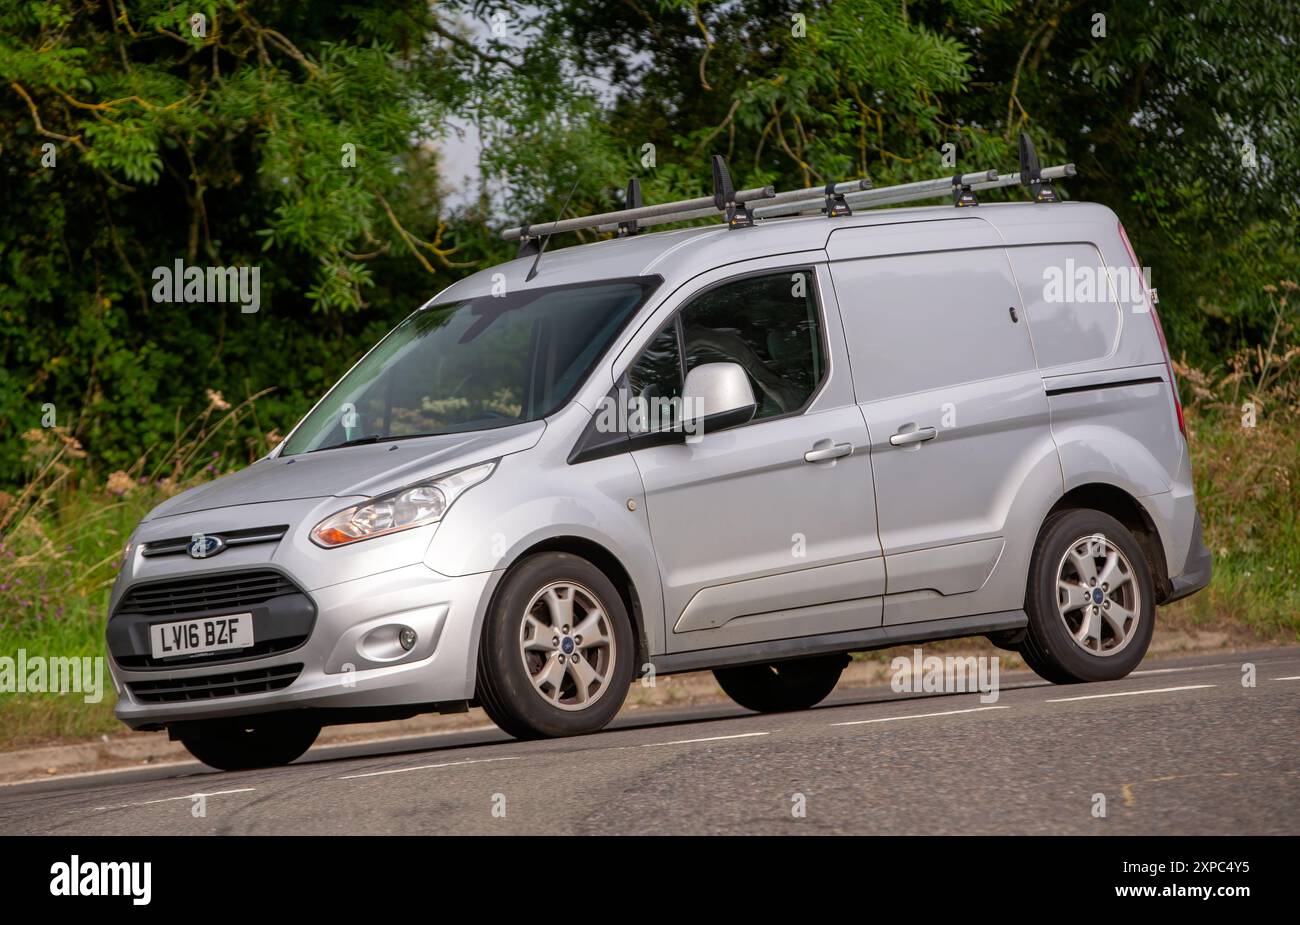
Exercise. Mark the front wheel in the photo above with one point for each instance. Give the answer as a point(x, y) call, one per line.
point(240, 745)
point(557, 652)
point(776, 688)
point(1090, 600)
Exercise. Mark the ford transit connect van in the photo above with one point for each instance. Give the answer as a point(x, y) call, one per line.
point(749, 450)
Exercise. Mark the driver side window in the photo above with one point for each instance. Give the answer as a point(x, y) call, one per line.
point(767, 324)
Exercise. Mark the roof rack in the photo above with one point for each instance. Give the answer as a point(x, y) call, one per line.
point(742, 208)
point(938, 188)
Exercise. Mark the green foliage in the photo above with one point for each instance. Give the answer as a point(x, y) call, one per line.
point(229, 149)
point(129, 142)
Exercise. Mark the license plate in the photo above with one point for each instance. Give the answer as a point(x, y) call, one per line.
point(196, 637)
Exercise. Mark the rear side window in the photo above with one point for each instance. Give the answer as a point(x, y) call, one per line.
point(767, 324)
point(926, 321)
point(1069, 301)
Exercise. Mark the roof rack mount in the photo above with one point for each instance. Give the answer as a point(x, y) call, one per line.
point(703, 203)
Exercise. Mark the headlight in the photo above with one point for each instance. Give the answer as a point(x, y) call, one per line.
point(413, 506)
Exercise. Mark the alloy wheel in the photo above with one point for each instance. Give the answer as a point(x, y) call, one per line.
point(567, 644)
point(1097, 595)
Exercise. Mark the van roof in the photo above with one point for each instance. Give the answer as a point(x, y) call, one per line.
point(680, 254)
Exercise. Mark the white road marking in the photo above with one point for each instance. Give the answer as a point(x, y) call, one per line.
point(430, 767)
point(1134, 674)
point(188, 796)
point(1294, 677)
point(743, 735)
point(1158, 690)
point(890, 719)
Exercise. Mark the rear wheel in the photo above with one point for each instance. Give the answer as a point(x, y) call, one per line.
point(1090, 600)
point(557, 652)
point(238, 745)
point(776, 688)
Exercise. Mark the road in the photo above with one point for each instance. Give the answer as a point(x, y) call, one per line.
point(1178, 747)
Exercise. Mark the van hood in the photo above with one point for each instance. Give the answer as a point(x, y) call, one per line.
point(360, 471)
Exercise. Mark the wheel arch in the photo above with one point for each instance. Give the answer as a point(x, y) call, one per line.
point(1118, 503)
point(613, 569)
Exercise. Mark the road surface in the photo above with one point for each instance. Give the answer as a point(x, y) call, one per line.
point(1178, 747)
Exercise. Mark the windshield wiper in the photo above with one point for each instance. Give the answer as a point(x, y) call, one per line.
point(373, 438)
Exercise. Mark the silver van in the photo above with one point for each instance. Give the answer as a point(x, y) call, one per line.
point(752, 450)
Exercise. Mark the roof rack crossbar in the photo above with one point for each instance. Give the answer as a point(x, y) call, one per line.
point(627, 215)
point(810, 196)
point(938, 188)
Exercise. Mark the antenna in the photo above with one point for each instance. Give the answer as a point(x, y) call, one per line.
point(532, 271)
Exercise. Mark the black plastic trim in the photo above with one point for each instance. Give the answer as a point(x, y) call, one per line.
point(1117, 384)
point(875, 637)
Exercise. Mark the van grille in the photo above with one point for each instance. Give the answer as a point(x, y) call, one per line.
point(202, 593)
point(212, 687)
point(180, 545)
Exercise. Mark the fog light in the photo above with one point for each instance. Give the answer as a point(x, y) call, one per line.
point(407, 638)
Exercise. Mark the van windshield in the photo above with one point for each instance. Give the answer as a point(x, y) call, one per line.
point(475, 364)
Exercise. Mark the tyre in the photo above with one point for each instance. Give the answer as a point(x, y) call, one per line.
point(776, 688)
point(1090, 600)
point(256, 743)
point(557, 652)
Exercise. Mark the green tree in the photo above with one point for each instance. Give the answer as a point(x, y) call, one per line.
point(296, 137)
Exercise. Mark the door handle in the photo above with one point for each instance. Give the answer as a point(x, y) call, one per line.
point(834, 451)
point(908, 437)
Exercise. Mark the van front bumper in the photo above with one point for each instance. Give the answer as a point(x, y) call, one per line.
point(351, 660)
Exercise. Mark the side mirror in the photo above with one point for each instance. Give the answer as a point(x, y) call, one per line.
point(717, 396)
